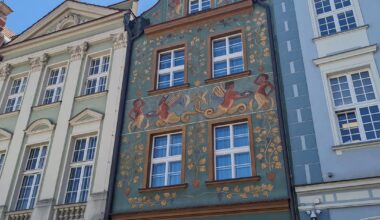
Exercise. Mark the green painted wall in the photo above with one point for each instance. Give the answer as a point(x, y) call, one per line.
point(8, 123)
point(97, 104)
point(50, 113)
point(193, 109)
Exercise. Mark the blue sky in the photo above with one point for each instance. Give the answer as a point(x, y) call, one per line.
point(27, 12)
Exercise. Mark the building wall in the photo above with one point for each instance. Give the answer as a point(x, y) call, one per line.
point(192, 109)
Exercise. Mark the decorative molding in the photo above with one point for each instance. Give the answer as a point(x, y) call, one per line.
point(119, 40)
point(78, 52)
point(9, 114)
point(68, 21)
point(46, 106)
point(345, 55)
point(38, 63)
point(5, 135)
point(86, 116)
point(340, 148)
point(39, 126)
point(91, 96)
point(5, 70)
point(207, 211)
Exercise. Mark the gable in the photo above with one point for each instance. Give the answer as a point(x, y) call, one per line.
point(4, 135)
point(39, 126)
point(68, 14)
point(86, 116)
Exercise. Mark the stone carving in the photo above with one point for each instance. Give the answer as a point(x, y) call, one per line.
point(38, 63)
point(68, 21)
point(5, 70)
point(119, 40)
point(77, 52)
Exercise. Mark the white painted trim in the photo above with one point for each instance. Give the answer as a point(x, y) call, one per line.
point(48, 106)
point(93, 117)
point(5, 135)
point(345, 55)
point(340, 205)
point(334, 186)
point(41, 122)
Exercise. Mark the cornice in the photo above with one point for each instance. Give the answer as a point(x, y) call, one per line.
point(78, 52)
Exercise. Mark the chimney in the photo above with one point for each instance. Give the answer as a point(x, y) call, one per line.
point(5, 10)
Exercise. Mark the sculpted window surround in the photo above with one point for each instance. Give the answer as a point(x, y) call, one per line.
point(232, 151)
point(158, 155)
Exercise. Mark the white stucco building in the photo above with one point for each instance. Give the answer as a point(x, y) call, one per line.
point(60, 86)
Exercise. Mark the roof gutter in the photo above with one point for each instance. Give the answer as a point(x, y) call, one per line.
point(134, 29)
point(280, 110)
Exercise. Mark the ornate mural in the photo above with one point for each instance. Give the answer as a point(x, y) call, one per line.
point(252, 96)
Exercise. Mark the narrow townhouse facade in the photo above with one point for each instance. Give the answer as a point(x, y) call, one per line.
point(201, 136)
point(60, 86)
point(329, 62)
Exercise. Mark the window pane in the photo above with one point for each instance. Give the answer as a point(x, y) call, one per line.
point(241, 137)
point(174, 173)
point(342, 3)
point(236, 65)
point(179, 58)
point(194, 6)
point(223, 167)
point(165, 60)
point(243, 165)
point(349, 127)
point(73, 185)
point(327, 25)
point(80, 146)
point(16, 86)
point(175, 145)
point(158, 175)
point(102, 84)
point(179, 78)
point(160, 144)
point(2, 159)
point(53, 77)
point(322, 6)
point(85, 184)
point(91, 86)
point(94, 66)
point(222, 138)
point(219, 48)
point(235, 44)
point(340, 91)
point(163, 81)
point(91, 148)
point(363, 86)
point(28, 192)
point(371, 121)
point(220, 68)
point(62, 75)
point(206, 4)
point(346, 20)
point(105, 64)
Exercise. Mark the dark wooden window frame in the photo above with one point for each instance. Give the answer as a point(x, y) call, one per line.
point(246, 72)
point(155, 64)
point(211, 163)
point(148, 157)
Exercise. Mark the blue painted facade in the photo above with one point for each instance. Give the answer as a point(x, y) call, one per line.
point(341, 180)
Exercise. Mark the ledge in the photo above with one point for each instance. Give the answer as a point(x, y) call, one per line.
point(340, 33)
point(357, 145)
point(224, 11)
point(229, 77)
point(164, 188)
point(46, 106)
point(91, 96)
point(170, 89)
point(231, 181)
point(9, 114)
point(345, 54)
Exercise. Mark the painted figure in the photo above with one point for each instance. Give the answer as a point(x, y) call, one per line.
point(261, 95)
point(136, 114)
point(229, 96)
point(175, 8)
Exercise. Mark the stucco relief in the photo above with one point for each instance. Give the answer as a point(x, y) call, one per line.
point(69, 20)
point(5, 70)
point(78, 52)
point(38, 63)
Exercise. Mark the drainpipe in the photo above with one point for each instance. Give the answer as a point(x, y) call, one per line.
point(280, 110)
point(134, 29)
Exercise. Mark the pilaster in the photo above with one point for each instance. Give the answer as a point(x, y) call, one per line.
point(16, 149)
point(61, 141)
point(5, 71)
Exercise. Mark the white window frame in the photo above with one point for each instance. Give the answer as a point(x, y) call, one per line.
point(355, 105)
point(200, 6)
point(355, 7)
point(81, 164)
point(172, 68)
point(228, 55)
point(232, 150)
point(167, 160)
point(56, 97)
point(17, 96)
point(2, 161)
point(97, 76)
point(33, 172)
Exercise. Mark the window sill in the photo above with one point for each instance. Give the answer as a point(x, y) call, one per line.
point(91, 96)
point(228, 77)
point(170, 89)
point(46, 106)
point(229, 181)
point(9, 114)
point(164, 188)
point(340, 33)
point(363, 144)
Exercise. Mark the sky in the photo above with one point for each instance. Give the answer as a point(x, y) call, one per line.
point(27, 12)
